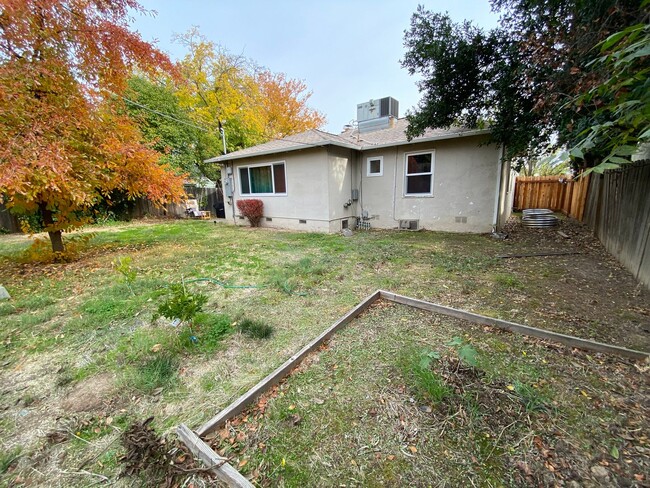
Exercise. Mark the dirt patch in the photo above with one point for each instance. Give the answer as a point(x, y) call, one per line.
point(91, 395)
point(588, 294)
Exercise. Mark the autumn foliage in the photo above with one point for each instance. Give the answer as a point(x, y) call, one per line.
point(64, 142)
point(252, 103)
point(252, 209)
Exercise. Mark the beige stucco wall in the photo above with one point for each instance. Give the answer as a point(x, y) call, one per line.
point(320, 181)
point(340, 183)
point(464, 185)
point(307, 195)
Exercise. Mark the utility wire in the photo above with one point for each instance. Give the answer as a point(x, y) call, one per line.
point(170, 117)
point(162, 114)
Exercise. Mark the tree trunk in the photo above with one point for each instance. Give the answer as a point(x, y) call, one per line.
point(57, 241)
point(55, 236)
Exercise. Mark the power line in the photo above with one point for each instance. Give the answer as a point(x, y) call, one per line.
point(170, 117)
point(162, 114)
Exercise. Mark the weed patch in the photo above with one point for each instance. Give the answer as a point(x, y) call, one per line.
point(158, 371)
point(8, 458)
point(427, 384)
point(255, 328)
point(210, 329)
point(508, 281)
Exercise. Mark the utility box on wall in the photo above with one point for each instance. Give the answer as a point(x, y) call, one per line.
point(227, 187)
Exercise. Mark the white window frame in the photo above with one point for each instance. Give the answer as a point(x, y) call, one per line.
point(381, 166)
point(407, 174)
point(247, 166)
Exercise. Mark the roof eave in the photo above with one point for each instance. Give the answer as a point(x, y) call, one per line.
point(233, 156)
point(442, 137)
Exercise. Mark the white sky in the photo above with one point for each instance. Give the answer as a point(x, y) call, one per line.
point(347, 52)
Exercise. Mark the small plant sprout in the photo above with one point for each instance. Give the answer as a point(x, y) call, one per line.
point(122, 265)
point(182, 305)
point(466, 352)
point(426, 357)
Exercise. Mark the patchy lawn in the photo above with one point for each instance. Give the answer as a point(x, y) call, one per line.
point(82, 357)
point(403, 397)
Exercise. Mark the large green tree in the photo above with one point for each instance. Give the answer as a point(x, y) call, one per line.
point(182, 143)
point(523, 78)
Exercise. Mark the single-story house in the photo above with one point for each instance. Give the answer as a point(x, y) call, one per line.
point(372, 176)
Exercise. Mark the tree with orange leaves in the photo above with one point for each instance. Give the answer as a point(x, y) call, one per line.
point(284, 105)
point(254, 104)
point(64, 142)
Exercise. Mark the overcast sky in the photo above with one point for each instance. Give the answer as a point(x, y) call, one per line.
point(347, 52)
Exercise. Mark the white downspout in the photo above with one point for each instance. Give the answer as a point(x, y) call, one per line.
point(497, 195)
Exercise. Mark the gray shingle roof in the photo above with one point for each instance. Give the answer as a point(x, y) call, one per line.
point(310, 138)
point(351, 139)
point(396, 135)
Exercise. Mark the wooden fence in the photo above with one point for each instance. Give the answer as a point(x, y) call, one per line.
point(557, 193)
point(618, 211)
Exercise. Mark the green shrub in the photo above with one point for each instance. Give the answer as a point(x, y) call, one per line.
point(211, 329)
point(255, 329)
point(182, 304)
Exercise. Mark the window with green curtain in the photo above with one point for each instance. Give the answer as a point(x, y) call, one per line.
point(265, 179)
point(261, 179)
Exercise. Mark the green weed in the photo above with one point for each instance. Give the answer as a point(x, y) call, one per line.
point(122, 265)
point(159, 371)
point(466, 352)
point(416, 368)
point(532, 398)
point(508, 281)
point(282, 281)
point(255, 328)
point(210, 330)
point(208, 382)
point(8, 458)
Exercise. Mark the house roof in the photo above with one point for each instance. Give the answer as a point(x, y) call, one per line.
point(351, 139)
point(310, 138)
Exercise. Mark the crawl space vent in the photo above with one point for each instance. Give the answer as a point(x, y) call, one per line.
point(409, 224)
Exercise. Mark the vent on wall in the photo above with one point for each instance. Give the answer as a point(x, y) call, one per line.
point(409, 224)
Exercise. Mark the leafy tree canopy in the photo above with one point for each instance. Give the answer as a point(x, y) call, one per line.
point(63, 141)
point(526, 78)
point(184, 145)
point(253, 104)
